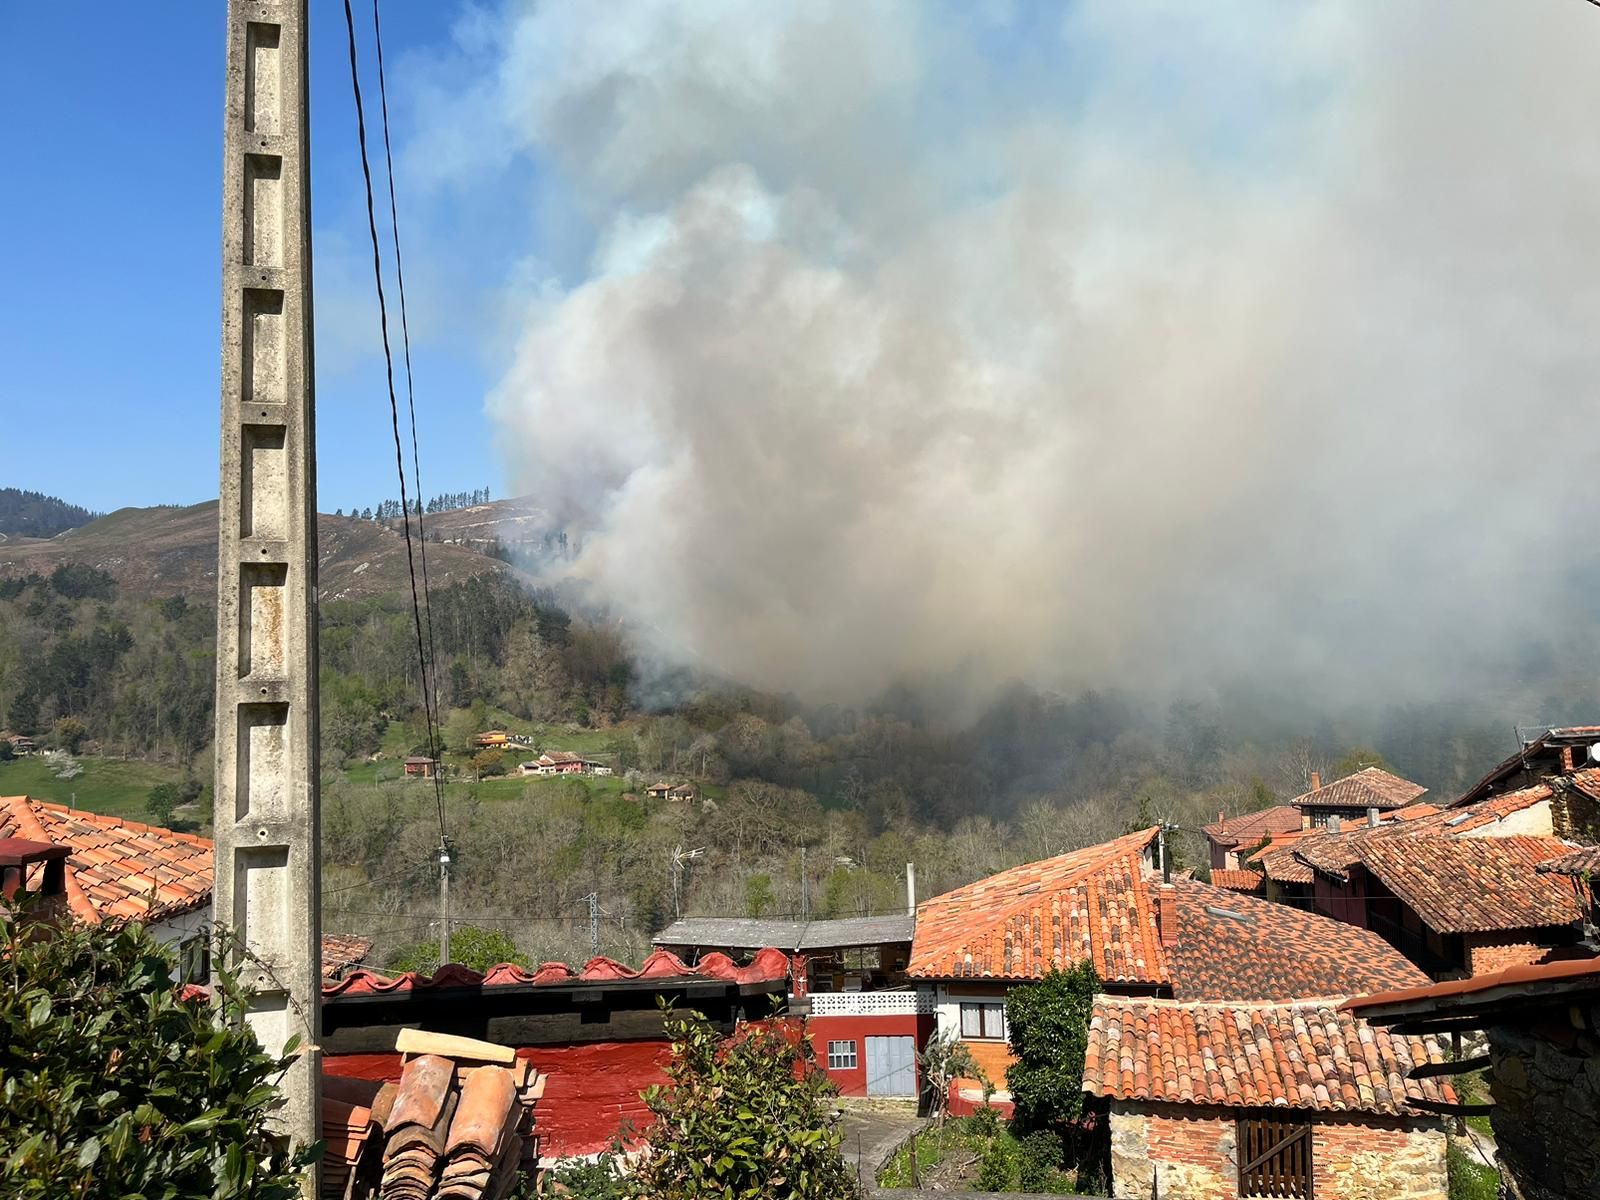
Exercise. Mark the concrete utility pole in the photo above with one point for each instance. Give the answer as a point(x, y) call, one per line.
point(444, 902)
point(266, 736)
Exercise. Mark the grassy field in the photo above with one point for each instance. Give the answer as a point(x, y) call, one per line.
point(107, 785)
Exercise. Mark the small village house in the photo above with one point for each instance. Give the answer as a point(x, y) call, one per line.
point(419, 767)
point(1210, 1101)
point(493, 739)
point(20, 743)
point(848, 977)
point(1353, 796)
point(1104, 904)
point(1541, 1025)
point(681, 792)
point(1548, 754)
point(1231, 838)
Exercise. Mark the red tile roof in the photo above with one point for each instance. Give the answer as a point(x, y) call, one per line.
point(1235, 947)
point(1249, 828)
point(1090, 904)
point(1584, 861)
point(1295, 1056)
point(1237, 881)
point(118, 869)
point(1370, 787)
point(1466, 885)
point(1578, 970)
point(341, 951)
point(768, 966)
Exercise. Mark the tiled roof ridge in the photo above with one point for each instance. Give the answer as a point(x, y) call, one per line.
point(766, 966)
point(108, 821)
point(1110, 852)
point(1385, 784)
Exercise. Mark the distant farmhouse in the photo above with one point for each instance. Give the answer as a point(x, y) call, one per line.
point(559, 762)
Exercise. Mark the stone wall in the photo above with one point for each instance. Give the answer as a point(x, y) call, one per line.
point(1187, 1151)
point(1546, 1085)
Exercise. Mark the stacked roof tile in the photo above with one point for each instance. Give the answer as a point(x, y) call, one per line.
point(767, 966)
point(1089, 905)
point(1306, 1056)
point(1236, 947)
point(117, 868)
point(458, 1126)
point(1370, 787)
point(1251, 828)
point(341, 952)
point(1465, 885)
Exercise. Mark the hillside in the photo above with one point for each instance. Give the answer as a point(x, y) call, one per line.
point(513, 522)
point(160, 552)
point(35, 515)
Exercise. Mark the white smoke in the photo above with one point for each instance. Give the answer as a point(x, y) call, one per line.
point(1110, 343)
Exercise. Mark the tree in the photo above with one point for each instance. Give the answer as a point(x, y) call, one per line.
point(116, 1086)
point(1049, 1032)
point(741, 1117)
point(68, 733)
point(1359, 758)
point(161, 800)
point(470, 945)
point(488, 762)
point(759, 898)
point(946, 1059)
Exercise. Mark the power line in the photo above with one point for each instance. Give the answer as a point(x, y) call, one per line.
point(405, 342)
point(394, 417)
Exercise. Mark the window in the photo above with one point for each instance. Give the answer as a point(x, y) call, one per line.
point(986, 1020)
point(194, 960)
point(1274, 1158)
point(841, 1056)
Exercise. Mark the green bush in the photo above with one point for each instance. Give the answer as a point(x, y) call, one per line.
point(997, 1172)
point(470, 946)
point(115, 1087)
point(1049, 1032)
point(985, 1122)
point(1039, 1161)
point(743, 1117)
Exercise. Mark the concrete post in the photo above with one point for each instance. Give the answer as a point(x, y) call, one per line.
point(266, 822)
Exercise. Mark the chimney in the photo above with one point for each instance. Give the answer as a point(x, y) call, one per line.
point(911, 889)
point(1222, 819)
point(1372, 816)
point(1566, 758)
point(17, 855)
point(1167, 914)
point(1334, 823)
point(1316, 780)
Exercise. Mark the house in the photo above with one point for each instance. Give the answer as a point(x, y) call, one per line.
point(36, 871)
point(1351, 797)
point(1245, 880)
point(20, 743)
point(1230, 839)
point(1103, 905)
point(1582, 866)
point(126, 870)
point(559, 762)
point(596, 1032)
point(1545, 755)
point(848, 976)
point(418, 767)
point(1384, 873)
point(1542, 1027)
point(1287, 1099)
point(671, 791)
point(493, 739)
point(342, 953)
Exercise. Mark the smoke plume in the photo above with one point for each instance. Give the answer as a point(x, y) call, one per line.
point(1079, 344)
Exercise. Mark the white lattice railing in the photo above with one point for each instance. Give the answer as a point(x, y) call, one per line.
point(869, 1004)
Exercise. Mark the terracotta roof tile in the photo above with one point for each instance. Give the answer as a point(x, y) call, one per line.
point(1370, 787)
point(1091, 904)
point(1236, 947)
point(1237, 881)
point(1306, 1056)
point(1249, 828)
point(341, 952)
point(1584, 861)
point(1465, 885)
point(117, 868)
point(767, 966)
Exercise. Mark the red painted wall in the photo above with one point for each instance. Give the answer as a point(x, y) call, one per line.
point(858, 1029)
point(591, 1089)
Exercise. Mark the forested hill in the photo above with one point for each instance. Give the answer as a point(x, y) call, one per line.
point(172, 551)
point(35, 515)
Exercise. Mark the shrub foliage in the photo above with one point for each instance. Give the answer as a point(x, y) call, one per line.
point(111, 1085)
point(1049, 1032)
point(742, 1118)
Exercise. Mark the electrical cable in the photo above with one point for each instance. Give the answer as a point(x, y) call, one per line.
point(405, 342)
point(394, 415)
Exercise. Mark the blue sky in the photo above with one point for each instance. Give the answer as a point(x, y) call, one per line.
point(108, 320)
